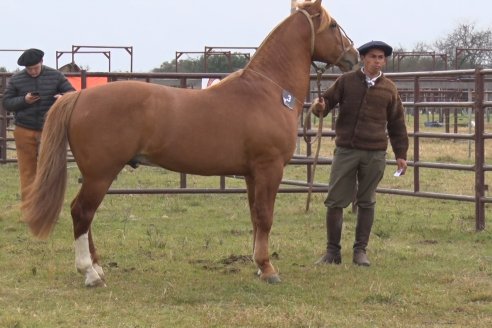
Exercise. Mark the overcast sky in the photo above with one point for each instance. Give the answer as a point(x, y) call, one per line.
point(156, 29)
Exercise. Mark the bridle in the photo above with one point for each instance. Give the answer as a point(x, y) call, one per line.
point(341, 33)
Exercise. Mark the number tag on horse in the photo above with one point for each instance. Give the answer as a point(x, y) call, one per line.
point(288, 99)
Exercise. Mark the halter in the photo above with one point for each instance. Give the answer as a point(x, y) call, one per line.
point(309, 17)
point(341, 33)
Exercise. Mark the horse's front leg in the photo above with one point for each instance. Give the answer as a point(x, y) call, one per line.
point(250, 184)
point(266, 182)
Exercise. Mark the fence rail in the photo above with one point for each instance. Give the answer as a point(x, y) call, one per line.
point(416, 88)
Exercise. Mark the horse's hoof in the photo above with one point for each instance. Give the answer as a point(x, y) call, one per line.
point(92, 279)
point(96, 283)
point(272, 279)
point(275, 279)
point(99, 270)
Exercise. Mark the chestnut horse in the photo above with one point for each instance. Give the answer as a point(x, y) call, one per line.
point(245, 125)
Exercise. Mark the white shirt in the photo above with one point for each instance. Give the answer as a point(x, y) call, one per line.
point(370, 82)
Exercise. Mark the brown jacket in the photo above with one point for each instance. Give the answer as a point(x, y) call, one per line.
point(368, 115)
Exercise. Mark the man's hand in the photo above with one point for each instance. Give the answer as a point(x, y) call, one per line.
point(402, 165)
point(31, 99)
point(318, 106)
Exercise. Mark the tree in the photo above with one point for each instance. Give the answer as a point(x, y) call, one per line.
point(473, 47)
point(421, 58)
point(215, 64)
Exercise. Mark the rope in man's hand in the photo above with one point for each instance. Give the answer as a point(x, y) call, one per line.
point(317, 107)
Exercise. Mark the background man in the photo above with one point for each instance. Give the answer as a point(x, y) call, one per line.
point(30, 94)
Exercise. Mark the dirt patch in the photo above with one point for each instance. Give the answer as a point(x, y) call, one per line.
point(228, 265)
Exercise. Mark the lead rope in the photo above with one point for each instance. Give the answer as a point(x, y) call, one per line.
point(318, 134)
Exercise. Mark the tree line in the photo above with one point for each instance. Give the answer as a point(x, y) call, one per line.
point(465, 47)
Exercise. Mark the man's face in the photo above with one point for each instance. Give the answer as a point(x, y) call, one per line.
point(374, 61)
point(34, 70)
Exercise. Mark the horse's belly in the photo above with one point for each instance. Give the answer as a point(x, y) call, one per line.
point(220, 157)
point(200, 162)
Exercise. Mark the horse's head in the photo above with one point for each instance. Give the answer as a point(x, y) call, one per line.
point(330, 43)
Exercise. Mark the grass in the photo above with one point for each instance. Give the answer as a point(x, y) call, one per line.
point(185, 260)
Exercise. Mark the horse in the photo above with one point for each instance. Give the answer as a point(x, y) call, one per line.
point(70, 67)
point(245, 125)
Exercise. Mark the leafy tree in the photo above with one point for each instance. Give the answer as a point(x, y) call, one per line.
point(466, 36)
point(169, 66)
point(473, 47)
point(476, 45)
point(421, 58)
point(215, 64)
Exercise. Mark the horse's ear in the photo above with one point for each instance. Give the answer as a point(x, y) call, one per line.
point(312, 7)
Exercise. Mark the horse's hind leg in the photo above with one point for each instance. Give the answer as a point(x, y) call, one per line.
point(84, 207)
point(95, 258)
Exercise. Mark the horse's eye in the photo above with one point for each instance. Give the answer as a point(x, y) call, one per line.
point(333, 25)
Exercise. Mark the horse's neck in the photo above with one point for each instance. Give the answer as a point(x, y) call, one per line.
point(285, 55)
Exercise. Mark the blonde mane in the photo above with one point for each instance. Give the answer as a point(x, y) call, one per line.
point(325, 16)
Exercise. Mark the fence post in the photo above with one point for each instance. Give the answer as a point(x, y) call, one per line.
point(416, 139)
point(83, 79)
point(3, 134)
point(3, 124)
point(479, 151)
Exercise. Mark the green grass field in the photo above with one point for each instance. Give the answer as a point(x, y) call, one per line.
point(185, 261)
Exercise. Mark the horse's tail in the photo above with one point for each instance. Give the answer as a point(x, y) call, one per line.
point(42, 205)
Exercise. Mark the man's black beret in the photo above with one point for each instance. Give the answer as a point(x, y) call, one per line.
point(30, 57)
point(364, 49)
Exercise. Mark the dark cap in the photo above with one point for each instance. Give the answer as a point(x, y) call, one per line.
point(364, 49)
point(30, 57)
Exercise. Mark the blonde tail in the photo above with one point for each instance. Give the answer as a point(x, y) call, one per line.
point(42, 205)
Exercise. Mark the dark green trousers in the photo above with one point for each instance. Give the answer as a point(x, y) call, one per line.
point(351, 169)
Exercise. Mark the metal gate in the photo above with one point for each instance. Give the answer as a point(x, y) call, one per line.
point(420, 91)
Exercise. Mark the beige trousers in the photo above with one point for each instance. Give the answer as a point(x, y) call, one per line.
point(27, 146)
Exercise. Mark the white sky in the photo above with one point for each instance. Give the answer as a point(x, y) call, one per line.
point(156, 29)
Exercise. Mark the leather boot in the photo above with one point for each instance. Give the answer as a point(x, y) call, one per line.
point(365, 218)
point(334, 220)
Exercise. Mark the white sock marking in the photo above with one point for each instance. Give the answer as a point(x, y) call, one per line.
point(83, 261)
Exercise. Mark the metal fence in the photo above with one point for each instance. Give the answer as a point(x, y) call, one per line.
point(443, 92)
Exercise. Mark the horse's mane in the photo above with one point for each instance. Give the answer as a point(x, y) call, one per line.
point(325, 21)
point(325, 16)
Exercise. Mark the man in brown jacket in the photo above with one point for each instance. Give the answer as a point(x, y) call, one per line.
point(370, 112)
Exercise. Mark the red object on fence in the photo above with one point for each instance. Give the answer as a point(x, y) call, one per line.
point(76, 81)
